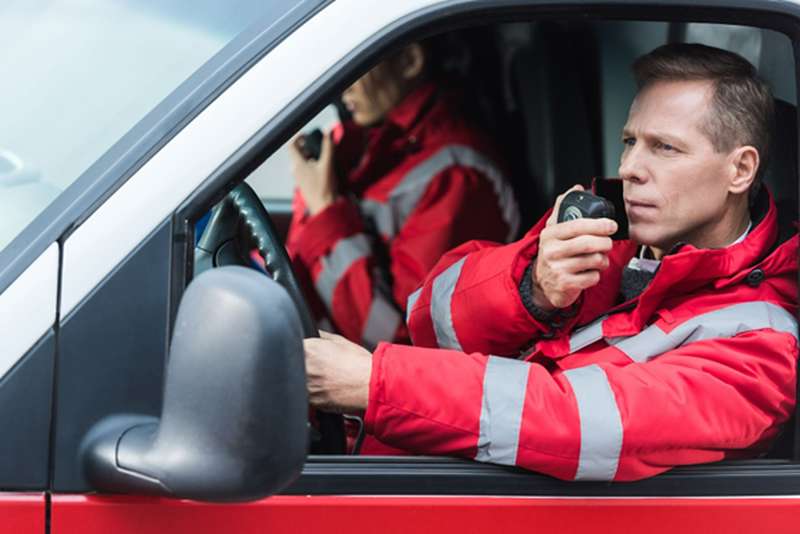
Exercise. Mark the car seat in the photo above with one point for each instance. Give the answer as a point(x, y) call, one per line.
point(554, 80)
point(781, 177)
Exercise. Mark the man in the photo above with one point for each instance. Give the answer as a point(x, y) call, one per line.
point(588, 359)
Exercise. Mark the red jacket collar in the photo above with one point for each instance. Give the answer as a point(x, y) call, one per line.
point(689, 269)
point(701, 266)
point(369, 153)
point(406, 113)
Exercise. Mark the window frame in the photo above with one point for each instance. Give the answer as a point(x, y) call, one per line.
point(447, 476)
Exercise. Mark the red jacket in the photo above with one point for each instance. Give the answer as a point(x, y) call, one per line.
point(700, 367)
point(414, 186)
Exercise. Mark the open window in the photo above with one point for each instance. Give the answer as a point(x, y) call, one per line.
point(554, 91)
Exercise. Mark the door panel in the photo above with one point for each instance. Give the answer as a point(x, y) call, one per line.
point(27, 351)
point(22, 513)
point(406, 515)
point(25, 400)
point(112, 351)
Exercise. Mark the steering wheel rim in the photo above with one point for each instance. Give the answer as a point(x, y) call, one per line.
point(241, 219)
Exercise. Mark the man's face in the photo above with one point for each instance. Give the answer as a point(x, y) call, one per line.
point(675, 183)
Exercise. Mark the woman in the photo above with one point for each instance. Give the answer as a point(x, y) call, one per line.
point(406, 180)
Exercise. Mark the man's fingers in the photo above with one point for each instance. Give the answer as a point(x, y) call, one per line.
point(335, 338)
point(585, 262)
point(587, 279)
point(577, 246)
point(318, 348)
point(327, 335)
point(585, 226)
point(575, 282)
point(311, 346)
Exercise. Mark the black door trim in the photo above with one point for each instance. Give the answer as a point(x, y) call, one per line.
point(445, 476)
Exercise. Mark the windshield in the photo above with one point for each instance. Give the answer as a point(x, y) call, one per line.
point(78, 74)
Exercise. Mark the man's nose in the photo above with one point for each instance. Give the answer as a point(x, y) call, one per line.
point(631, 166)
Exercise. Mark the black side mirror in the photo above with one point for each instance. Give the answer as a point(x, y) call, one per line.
point(233, 423)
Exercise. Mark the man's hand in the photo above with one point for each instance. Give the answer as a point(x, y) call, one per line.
point(314, 178)
point(571, 256)
point(337, 373)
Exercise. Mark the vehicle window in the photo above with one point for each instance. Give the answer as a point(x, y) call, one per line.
point(620, 43)
point(405, 149)
point(515, 62)
point(272, 180)
point(530, 104)
point(78, 75)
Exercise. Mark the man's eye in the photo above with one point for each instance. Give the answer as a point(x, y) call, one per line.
point(665, 146)
point(628, 141)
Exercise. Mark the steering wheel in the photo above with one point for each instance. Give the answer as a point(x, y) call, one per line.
point(239, 224)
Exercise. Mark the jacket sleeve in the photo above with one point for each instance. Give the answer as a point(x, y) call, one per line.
point(701, 402)
point(470, 301)
point(347, 262)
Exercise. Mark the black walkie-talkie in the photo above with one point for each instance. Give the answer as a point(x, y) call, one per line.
point(605, 201)
point(312, 144)
point(582, 204)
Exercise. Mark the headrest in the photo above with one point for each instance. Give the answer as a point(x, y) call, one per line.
point(780, 175)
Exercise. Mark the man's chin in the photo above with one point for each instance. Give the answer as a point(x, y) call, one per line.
point(646, 235)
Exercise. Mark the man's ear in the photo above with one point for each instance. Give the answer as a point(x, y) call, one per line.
point(745, 161)
point(413, 61)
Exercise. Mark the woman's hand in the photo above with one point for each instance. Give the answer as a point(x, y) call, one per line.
point(314, 178)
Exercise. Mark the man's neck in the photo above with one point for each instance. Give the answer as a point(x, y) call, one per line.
point(724, 233)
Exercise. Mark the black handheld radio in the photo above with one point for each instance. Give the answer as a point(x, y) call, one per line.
point(604, 202)
point(312, 144)
point(582, 204)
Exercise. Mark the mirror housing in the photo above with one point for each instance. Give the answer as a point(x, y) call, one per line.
point(233, 422)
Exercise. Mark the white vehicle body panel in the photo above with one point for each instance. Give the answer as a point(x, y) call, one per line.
point(28, 308)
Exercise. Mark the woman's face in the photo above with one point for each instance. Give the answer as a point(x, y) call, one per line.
point(378, 91)
point(373, 95)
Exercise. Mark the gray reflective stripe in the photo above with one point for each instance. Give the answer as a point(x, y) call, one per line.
point(601, 424)
point(389, 217)
point(586, 336)
point(441, 309)
point(504, 387)
point(412, 300)
point(722, 323)
point(343, 255)
point(381, 214)
point(382, 322)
